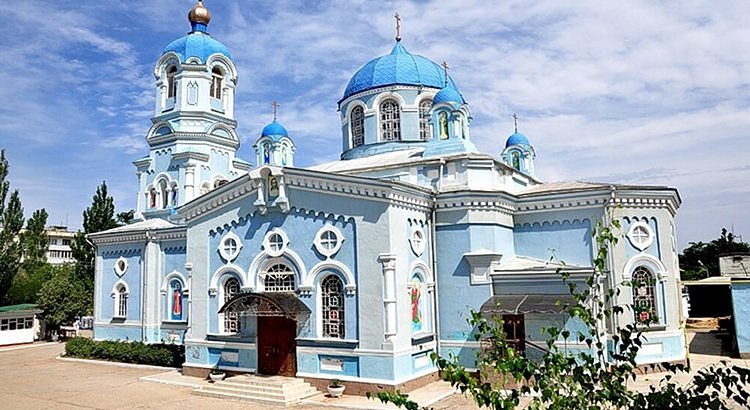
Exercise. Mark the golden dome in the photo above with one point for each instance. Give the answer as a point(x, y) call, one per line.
point(199, 14)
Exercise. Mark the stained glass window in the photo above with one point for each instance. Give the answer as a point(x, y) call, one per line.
point(175, 300)
point(332, 293)
point(644, 290)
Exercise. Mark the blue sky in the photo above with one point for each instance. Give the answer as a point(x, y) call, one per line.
point(639, 92)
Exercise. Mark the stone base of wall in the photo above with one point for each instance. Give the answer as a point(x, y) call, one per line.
point(203, 372)
point(745, 355)
point(362, 388)
point(657, 367)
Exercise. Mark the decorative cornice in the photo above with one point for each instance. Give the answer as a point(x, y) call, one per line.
point(193, 136)
point(218, 197)
point(158, 235)
point(388, 88)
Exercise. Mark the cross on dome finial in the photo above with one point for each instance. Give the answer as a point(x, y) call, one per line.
point(398, 26)
point(275, 109)
point(515, 122)
point(445, 70)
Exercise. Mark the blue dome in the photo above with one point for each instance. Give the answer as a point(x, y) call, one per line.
point(398, 67)
point(197, 44)
point(447, 95)
point(517, 139)
point(274, 129)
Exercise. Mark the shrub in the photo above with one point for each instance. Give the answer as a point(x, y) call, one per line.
point(168, 355)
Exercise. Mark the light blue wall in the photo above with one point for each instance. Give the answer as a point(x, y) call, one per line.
point(457, 295)
point(567, 240)
point(654, 249)
point(132, 277)
point(301, 228)
point(741, 316)
point(117, 332)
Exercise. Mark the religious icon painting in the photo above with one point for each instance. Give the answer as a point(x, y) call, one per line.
point(176, 301)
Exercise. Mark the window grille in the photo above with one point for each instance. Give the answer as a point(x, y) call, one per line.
point(279, 278)
point(122, 302)
point(333, 307)
point(231, 317)
point(390, 120)
point(357, 124)
point(644, 290)
point(425, 134)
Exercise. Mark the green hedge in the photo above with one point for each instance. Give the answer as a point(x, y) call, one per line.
point(168, 355)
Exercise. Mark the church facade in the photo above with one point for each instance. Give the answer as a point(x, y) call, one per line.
point(359, 269)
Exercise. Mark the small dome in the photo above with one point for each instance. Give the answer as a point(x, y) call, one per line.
point(274, 129)
point(198, 43)
point(398, 67)
point(199, 14)
point(517, 139)
point(448, 94)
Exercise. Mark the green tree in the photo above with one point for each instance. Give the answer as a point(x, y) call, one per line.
point(29, 281)
point(63, 297)
point(34, 240)
point(591, 379)
point(124, 218)
point(701, 260)
point(11, 222)
point(100, 216)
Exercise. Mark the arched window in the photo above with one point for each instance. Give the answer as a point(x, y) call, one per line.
point(644, 295)
point(152, 198)
point(357, 125)
point(516, 160)
point(122, 301)
point(279, 278)
point(216, 79)
point(174, 195)
point(425, 134)
point(164, 194)
point(390, 120)
point(231, 317)
point(174, 300)
point(332, 294)
point(171, 81)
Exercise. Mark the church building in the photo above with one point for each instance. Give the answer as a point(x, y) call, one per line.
point(360, 268)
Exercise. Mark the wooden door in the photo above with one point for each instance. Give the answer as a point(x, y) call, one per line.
point(515, 331)
point(277, 353)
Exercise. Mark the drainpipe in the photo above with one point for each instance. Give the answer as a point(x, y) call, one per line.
point(433, 251)
point(144, 283)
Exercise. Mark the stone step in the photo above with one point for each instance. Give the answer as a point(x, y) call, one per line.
point(274, 389)
point(304, 391)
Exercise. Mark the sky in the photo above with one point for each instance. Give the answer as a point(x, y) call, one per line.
point(637, 92)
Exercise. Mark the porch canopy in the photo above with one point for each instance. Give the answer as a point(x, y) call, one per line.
point(526, 303)
point(267, 304)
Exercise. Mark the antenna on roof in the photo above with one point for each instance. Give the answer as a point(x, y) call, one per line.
point(398, 26)
point(445, 70)
point(275, 109)
point(515, 122)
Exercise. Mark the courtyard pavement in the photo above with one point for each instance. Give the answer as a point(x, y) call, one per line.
point(33, 378)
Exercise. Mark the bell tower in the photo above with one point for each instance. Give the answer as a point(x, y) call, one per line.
point(193, 140)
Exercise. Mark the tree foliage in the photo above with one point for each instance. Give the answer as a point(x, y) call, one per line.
point(34, 240)
point(100, 216)
point(29, 281)
point(63, 297)
point(596, 378)
point(701, 260)
point(11, 222)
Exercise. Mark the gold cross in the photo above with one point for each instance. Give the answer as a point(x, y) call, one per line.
point(445, 69)
point(515, 121)
point(398, 26)
point(275, 109)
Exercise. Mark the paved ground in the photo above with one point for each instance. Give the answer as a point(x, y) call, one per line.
point(31, 378)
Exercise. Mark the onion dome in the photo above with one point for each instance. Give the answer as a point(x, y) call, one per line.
point(274, 129)
point(198, 43)
point(398, 67)
point(199, 14)
point(448, 94)
point(517, 139)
